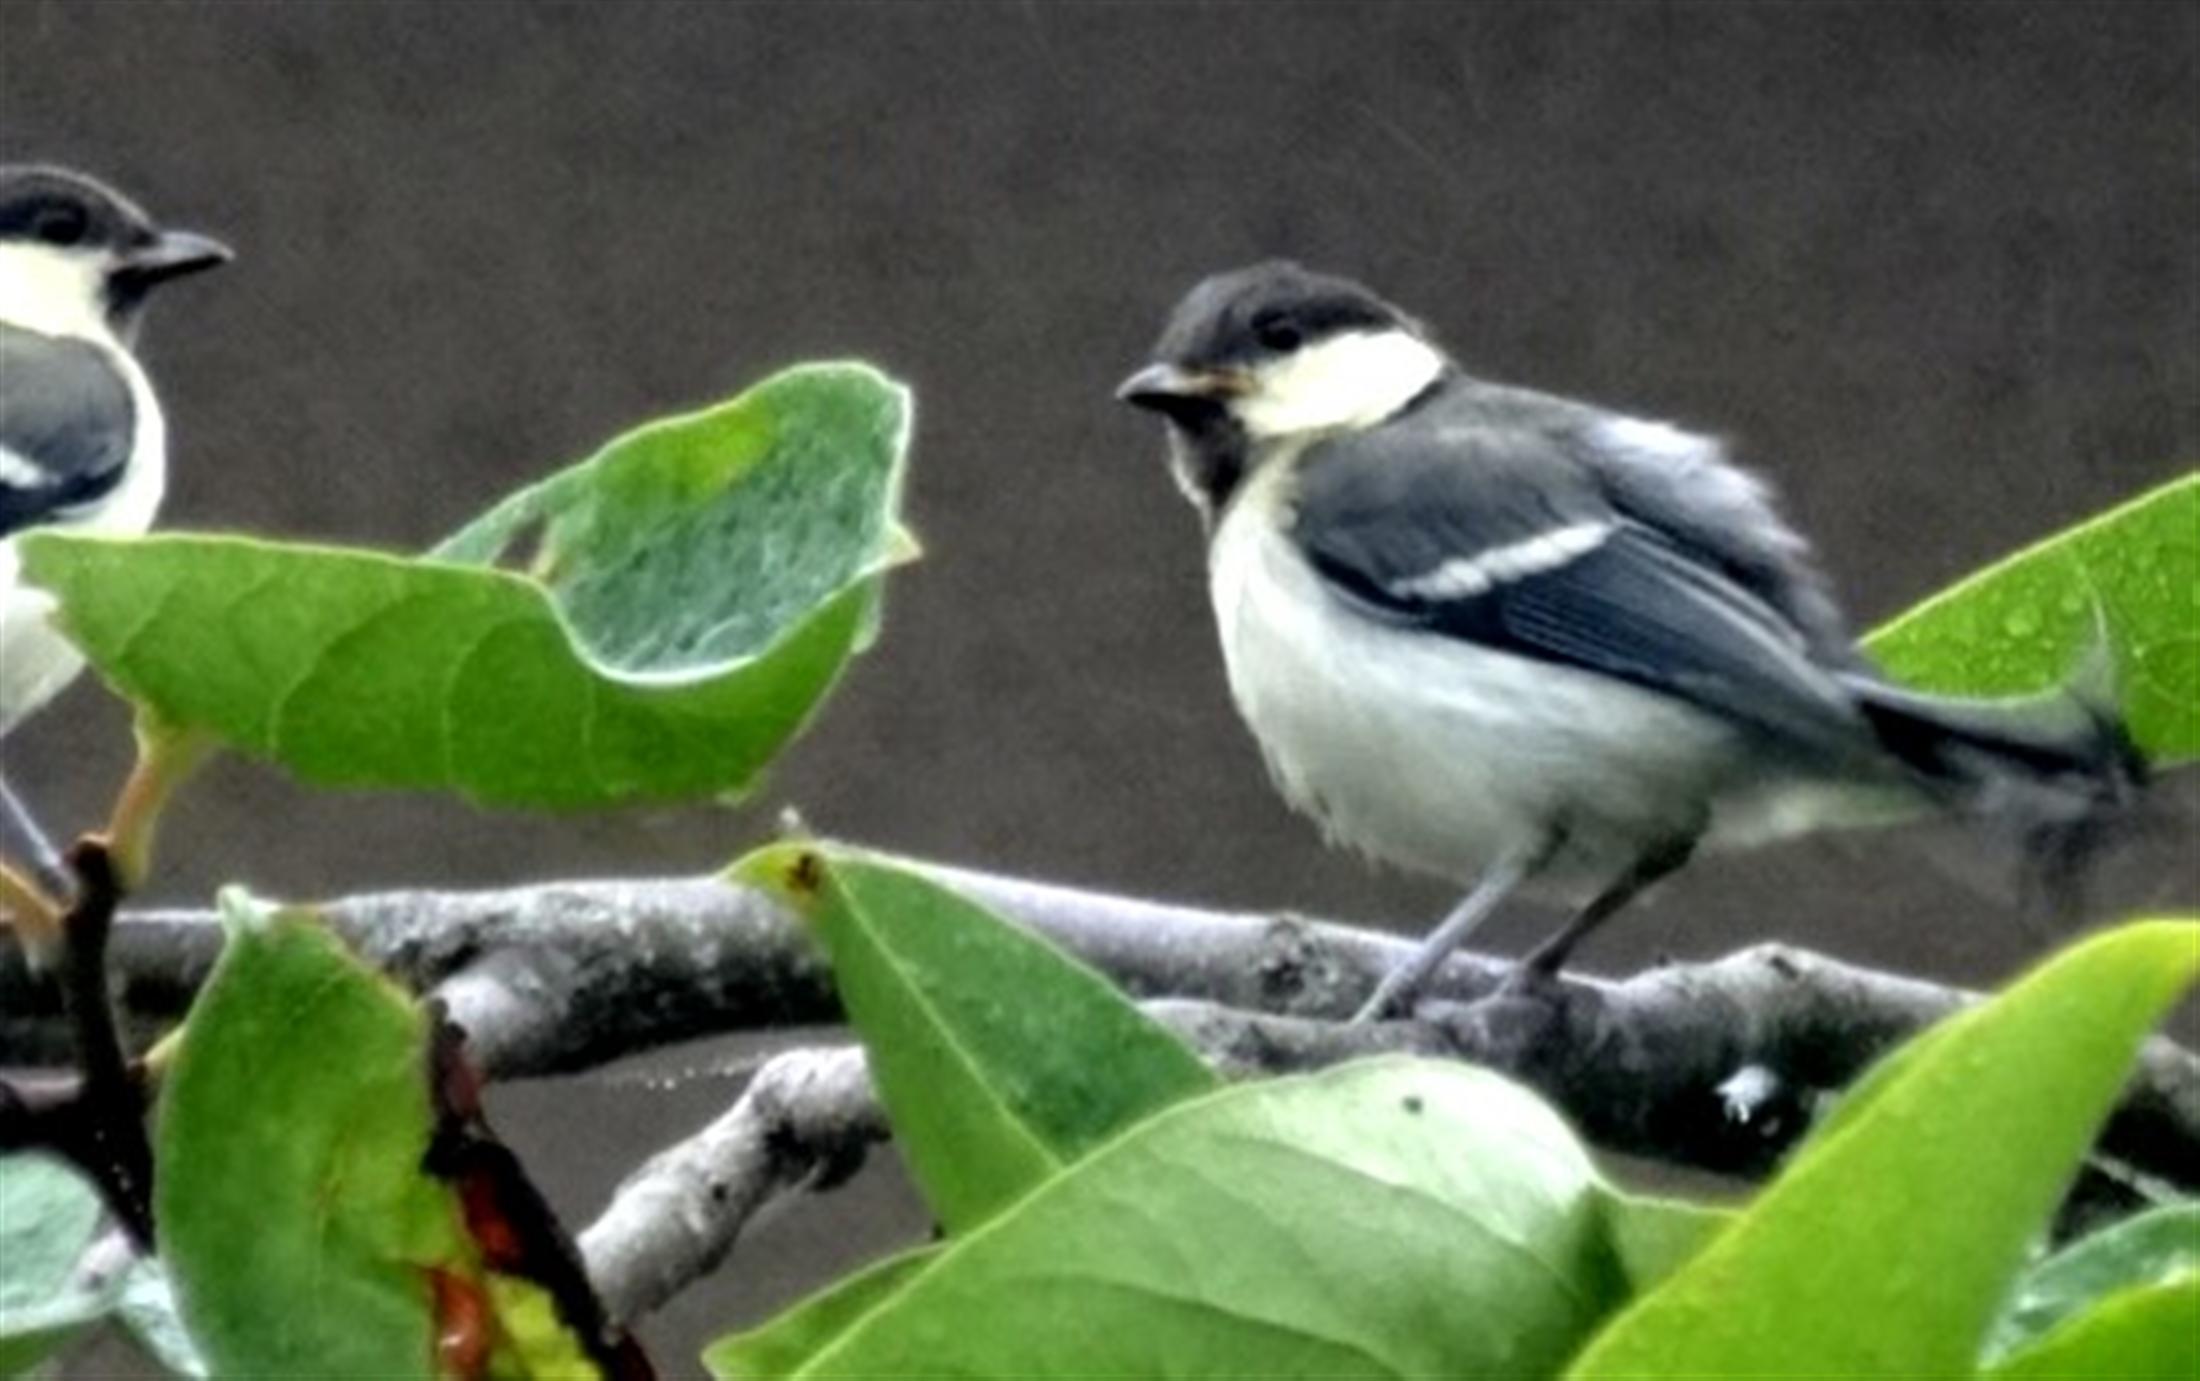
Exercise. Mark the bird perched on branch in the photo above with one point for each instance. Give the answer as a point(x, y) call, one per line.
point(82, 443)
point(1521, 641)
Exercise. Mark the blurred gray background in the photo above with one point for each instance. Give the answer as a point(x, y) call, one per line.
point(1935, 269)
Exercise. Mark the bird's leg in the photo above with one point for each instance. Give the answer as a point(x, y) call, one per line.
point(1508, 872)
point(22, 831)
point(1546, 959)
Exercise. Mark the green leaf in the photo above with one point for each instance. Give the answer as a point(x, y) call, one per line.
point(1653, 1237)
point(697, 588)
point(48, 1218)
point(2151, 1331)
point(998, 1058)
point(1391, 1218)
point(296, 1222)
point(2018, 626)
point(532, 1339)
point(2148, 1249)
point(1650, 1238)
point(782, 1346)
point(1888, 1246)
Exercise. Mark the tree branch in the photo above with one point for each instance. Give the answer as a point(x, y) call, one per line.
point(803, 1122)
point(507, 1216)
point(97, 1118)
point(563, 976)
point(807, 1118)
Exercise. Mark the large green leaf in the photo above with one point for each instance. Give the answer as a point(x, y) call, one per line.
point(303, 1234)
point(2019, 626)
point(48, 1217)
point(784, 1345)
point(695, 590)
point(1654, 1237)
point(2150, 1333)
point(1391, 1218)
point(999, 1059)
point(1889, 1244)
point(295, 1219)
point(2141, 1251)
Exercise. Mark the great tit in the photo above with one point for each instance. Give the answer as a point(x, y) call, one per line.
point(82, 444)
point(1524, 642)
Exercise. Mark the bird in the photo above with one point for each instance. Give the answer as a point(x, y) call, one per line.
point(1529, 644)
point(83, 445)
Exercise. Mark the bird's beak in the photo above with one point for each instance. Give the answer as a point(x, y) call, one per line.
point(1161, 387)
point(172, 254)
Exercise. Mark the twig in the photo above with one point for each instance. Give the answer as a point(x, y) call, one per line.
point(803, 1122)
point(507, 1216)
point(97, 1119)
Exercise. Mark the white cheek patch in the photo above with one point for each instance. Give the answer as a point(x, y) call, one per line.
point(53, 292)
point(1352, 380)
point(1463, 577)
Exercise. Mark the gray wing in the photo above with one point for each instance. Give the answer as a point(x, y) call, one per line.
point(66, 425)
point(1498, 536)
point(1683, 487)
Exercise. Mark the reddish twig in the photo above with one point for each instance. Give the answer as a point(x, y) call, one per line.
point(508, 1217)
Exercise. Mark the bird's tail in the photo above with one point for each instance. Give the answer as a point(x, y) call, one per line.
point(2058, 771)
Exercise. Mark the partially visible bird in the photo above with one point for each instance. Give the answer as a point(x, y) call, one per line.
point(1522, 641)
point(82, 443)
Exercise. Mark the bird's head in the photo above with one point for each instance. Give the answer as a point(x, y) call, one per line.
point(1276, 353)
point(78, 257)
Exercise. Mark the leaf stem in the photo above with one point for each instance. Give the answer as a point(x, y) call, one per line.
point(166, 759)
point(37, 916)
point(153, 1064)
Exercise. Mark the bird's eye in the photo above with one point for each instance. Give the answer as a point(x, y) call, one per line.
point(60, 224)
point(1278, 332)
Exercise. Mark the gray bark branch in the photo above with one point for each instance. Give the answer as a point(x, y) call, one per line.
point(562, 977)
point(804, 1114)
point(807, 1117)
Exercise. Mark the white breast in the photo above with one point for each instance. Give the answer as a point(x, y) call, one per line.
point(36, 661)
point(1433, 753)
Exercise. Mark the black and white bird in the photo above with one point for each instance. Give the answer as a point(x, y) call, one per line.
point(82, 442)
point(1524, 642)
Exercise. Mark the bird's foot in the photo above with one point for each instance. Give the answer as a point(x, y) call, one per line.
point(1516, 1027)
point(1529, 979)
